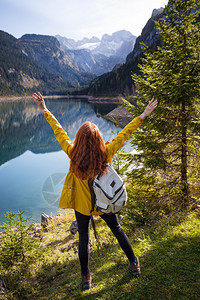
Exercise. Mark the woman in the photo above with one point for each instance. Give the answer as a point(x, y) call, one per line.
point(89, 155)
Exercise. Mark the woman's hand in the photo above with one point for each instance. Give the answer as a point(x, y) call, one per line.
point(38, 98)
point(150, 107)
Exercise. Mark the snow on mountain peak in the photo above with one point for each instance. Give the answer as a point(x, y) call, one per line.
point(88, 46)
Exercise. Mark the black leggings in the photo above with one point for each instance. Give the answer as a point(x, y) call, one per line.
point(84, 229)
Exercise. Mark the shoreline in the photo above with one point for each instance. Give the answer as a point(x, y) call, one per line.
point(14, 98)
point(118, 115)
point(91, 99)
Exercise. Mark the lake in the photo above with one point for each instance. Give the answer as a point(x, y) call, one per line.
point(32, 164)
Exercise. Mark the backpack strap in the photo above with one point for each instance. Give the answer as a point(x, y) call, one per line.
point(93, 201)
point(94, 228)
point(93, 198)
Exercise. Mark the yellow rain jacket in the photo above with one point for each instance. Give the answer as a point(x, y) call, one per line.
point(76, 193)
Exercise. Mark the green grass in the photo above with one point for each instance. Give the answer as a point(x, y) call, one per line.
point(169, 254)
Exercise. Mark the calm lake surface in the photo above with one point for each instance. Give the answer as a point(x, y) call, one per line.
point(32, 164)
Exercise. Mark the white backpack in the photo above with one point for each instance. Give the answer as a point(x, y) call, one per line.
point(110, 191)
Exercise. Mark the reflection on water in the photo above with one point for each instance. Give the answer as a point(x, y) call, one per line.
point(30, 156)
point(23, 127)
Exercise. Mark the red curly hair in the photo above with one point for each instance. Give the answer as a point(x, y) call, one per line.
point(88, 154)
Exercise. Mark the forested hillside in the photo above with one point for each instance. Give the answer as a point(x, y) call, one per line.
point(46, 52)
point(19, 74)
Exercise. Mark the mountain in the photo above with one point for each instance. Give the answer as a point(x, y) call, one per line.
point(71, 44)
point(99, 56)
point(113, 44)
point(148, 36)
point(55, 64)
point(47, 52)
point(19, 74)
point(119, 81)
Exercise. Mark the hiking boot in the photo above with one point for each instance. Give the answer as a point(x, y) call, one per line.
point(86, 281)
point(135, 267)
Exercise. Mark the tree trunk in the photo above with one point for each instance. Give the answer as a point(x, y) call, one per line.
point(184, 179)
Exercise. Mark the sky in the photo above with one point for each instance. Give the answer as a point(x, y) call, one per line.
point(75, 19)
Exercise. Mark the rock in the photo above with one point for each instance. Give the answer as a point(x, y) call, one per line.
point(121, 218)
point(38, 228)
point(73, 246)
point(58, 228)
point(1, 233)
point(157, 11)
point(36, 234)
point(3, 287)
point(48, 228)
point(63, 249)
point(42, 237)
point(44, 219)
point(74, 227)
point(59, 224)
point(120, 116)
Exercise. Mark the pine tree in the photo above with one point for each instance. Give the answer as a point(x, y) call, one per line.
point(168, 143)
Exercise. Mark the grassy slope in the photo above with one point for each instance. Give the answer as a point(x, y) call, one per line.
point(169, 256)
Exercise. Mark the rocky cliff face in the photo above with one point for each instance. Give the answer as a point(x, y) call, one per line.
point(113, 44)
point(148, 36)
point(119, 81)
point(99, 56)
point(47, 52)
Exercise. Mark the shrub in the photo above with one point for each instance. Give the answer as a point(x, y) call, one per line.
point(17, 242)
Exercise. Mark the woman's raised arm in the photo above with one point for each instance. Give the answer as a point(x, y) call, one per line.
point(38, 98)
point(126, 132)
point(59, 132)
point(149, 108)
